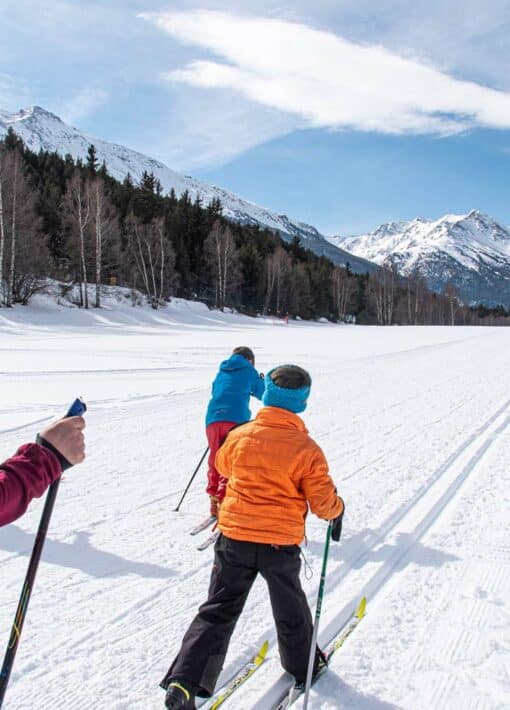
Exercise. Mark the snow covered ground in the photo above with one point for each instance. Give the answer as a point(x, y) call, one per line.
point(416, 426)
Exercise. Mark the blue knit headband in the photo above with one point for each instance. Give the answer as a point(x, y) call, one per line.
point(295, 400)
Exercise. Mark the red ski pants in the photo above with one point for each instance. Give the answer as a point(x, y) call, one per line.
point(216, 435)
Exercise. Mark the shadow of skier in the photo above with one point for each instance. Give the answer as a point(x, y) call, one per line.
point(81, 555)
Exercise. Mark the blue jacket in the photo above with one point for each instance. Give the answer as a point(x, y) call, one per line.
point(235, 382)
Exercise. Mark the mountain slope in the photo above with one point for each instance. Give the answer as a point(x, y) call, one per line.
point(472, 251)
point(42, 130)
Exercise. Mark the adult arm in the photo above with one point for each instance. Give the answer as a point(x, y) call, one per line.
point(24, 476)
point(34, 467)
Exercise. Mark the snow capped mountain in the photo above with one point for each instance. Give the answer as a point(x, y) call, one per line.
point(42, 130)
point(472, 251)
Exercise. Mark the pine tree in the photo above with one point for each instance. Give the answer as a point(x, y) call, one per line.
point(92, 161)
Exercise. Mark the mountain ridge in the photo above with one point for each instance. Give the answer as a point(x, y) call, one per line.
point(472, 251)
point(43, 130)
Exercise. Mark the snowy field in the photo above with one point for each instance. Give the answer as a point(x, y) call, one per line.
point(416, 426)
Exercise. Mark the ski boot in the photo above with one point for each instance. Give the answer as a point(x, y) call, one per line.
point(179, 698)
point(320, 664)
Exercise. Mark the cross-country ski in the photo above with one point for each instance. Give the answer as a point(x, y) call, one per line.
point(209, 540)
point(297, 691)
point(203, 525)
point(244, 674)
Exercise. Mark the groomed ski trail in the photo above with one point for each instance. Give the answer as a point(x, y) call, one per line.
point(118, 615)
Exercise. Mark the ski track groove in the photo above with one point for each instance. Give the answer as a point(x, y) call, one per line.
point(417, 435)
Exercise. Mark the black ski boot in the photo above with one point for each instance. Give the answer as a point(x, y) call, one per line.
point(179, 698)
point(319, 665)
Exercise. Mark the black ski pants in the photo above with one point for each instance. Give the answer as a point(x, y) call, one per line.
point(236, 565)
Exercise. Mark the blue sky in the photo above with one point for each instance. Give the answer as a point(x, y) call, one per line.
point(345, 115)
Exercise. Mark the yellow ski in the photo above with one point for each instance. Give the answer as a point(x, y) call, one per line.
point(243, 675)
point(358, 615)
point(298, 690)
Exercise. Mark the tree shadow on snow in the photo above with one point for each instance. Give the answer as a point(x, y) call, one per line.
point(80, 554)
point(335, 691)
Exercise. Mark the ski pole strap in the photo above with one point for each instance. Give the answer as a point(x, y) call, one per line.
point(64, 463)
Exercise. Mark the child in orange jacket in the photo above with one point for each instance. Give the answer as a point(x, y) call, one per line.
point(275, 471)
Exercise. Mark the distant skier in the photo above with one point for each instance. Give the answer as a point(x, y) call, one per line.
point(237, 380)
point(274, 470)
point(34, 467)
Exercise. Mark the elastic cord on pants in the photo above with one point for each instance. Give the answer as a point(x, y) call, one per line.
point(308, 569)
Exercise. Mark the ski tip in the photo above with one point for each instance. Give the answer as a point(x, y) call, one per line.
point(261, 655)
point(360, 611)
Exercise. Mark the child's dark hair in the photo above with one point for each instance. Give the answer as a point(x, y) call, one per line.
point(291, 377)
point(245, 352)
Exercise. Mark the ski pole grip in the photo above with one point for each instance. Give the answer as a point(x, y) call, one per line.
point(77, 408)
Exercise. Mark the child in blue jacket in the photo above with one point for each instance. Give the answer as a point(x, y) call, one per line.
point(237, 380)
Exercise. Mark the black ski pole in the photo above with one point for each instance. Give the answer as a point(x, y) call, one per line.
point(311, 659)
point(176, 510)
point(77, 408)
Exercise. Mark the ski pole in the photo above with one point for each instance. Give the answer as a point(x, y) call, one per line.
point(77, 408)
point(313, 645)
point(176, 510)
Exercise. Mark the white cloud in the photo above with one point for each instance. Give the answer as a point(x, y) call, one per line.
point(82, 104)
point(326, 80)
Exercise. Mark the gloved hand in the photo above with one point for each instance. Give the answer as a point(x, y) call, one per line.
point(337, 525)
point(261, 375)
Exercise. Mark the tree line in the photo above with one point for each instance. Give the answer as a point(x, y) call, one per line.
point(70, 221)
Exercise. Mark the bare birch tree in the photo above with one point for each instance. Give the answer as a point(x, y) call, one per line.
point(14, 205)
point(452, 301)
point(77, 208)
point(104, 221)
point(381, 288)
point(2, 223)
point(153, 256)
point(416, 289)
point(278, 266)
point(342, 288)
point(222, 257)
point(24, 251)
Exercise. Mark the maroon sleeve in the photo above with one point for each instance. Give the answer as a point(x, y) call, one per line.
point(25, 476)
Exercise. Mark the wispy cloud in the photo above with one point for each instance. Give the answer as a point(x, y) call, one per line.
point(82, 104)
point(209, 128)
point(326, 80)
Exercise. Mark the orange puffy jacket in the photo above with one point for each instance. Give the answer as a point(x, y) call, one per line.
point(274, 469)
